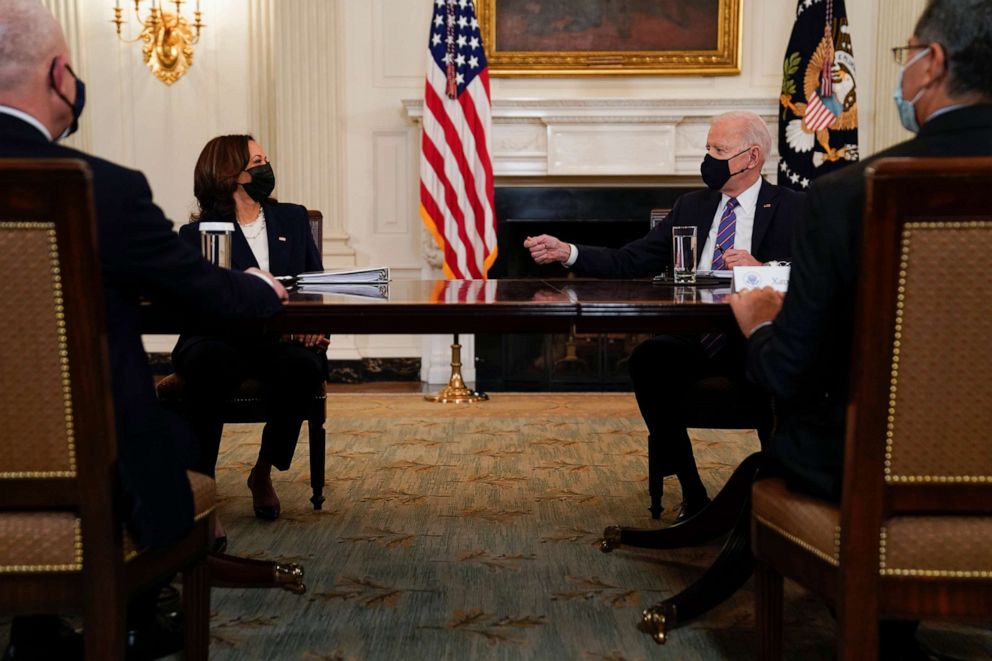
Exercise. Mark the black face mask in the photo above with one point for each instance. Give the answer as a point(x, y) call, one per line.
point(77, 107)
point(716, 172)
point(263, 182)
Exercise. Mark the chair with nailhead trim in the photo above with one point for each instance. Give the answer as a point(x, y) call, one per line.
point(63, 547)
point(911, 536)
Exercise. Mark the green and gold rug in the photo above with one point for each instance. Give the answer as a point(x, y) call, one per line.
point(471, 532)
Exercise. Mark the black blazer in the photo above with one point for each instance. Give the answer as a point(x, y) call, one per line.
point(804, 357)
point(291, 247)
point(291, 251)
point(141, 256)
point(775, 215)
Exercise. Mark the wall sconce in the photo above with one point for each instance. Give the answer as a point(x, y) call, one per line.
point(168, 37)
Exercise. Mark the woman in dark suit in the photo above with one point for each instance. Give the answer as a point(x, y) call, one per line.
point(232, 182)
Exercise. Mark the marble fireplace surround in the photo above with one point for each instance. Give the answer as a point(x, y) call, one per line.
point(595, 142)
point(606, 137)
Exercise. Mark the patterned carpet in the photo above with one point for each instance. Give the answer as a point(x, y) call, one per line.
point(470, 532)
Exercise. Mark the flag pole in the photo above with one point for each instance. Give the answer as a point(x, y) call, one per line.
point(456, 392)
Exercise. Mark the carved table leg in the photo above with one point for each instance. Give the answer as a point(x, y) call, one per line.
point(726, 575)
point(711, 522)
point(230, 571)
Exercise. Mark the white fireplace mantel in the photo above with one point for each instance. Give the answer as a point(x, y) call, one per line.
point(606, 137)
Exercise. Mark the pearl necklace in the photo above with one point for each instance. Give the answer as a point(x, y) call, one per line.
point(258, 232)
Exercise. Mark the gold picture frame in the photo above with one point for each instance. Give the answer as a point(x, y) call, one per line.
point(611, 37)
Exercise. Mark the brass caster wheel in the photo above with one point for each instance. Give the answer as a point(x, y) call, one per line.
point(611, 539)
point(289, 576)
point(658, 620)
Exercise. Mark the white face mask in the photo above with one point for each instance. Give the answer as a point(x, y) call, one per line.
point(906, 107)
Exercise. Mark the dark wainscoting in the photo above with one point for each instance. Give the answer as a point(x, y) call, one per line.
point(594, 215)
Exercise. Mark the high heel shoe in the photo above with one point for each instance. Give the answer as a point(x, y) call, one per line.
point(264, 512)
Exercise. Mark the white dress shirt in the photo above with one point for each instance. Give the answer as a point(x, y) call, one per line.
point(747, 201)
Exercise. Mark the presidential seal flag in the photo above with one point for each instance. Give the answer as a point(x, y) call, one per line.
point(818, 118)
point(456, 172)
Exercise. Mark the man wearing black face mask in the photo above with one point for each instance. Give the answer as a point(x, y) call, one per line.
point(740, 220)
point(41, 99)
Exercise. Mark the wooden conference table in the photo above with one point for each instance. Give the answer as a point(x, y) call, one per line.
point(553, 306)
point(494, 306)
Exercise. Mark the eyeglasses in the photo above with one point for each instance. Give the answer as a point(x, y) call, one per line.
point(901, 53)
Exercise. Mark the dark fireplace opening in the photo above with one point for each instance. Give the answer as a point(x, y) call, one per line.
point(594, 215)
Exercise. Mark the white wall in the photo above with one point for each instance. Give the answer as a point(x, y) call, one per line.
point(374, 50)
point(134, 119)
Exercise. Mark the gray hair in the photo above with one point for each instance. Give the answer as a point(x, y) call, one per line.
point(27, 33)
point(755, 130)
point(964, 29)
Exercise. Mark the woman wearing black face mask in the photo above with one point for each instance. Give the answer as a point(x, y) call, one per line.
point(233, 181)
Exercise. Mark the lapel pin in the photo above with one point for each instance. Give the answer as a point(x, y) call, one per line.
point(767, 206)
point(281, 238)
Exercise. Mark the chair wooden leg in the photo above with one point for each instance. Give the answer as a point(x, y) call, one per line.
point(768, 612)
point(196, 607)
point(104, 628)
point(318, 442)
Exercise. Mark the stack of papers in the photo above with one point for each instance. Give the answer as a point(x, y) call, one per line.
point(377, 275)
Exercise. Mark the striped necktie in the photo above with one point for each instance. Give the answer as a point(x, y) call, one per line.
point(713, 342)
point(725, 234)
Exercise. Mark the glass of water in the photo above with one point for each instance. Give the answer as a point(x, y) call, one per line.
point(684, 253)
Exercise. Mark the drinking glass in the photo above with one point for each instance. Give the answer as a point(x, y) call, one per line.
point(684, 254)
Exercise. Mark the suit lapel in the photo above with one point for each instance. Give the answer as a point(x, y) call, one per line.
point(704, 222)
point(242, 258)
point(763, 212)
point(278, 243)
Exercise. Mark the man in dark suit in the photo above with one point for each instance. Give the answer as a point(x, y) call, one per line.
point(740, 220)
point(799, 348)
point(41, 99)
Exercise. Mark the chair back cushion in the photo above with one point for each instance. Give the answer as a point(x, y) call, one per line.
point(940, 396)
point(921, 377)
point(35, 392)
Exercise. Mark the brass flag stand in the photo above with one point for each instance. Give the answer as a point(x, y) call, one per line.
point(456, 392)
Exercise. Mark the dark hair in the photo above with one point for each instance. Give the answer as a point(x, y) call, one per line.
point(215, 177)
point(964, 29)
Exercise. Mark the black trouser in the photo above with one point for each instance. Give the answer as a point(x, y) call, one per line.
point(664, 369)
point(213, 369)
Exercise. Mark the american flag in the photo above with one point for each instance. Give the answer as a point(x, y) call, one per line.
point(456, 172)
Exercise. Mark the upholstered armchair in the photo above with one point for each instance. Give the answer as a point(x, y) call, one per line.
point(63, 547)
point(912, 536)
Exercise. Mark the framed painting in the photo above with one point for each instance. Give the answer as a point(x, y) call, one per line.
point(604, 37)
